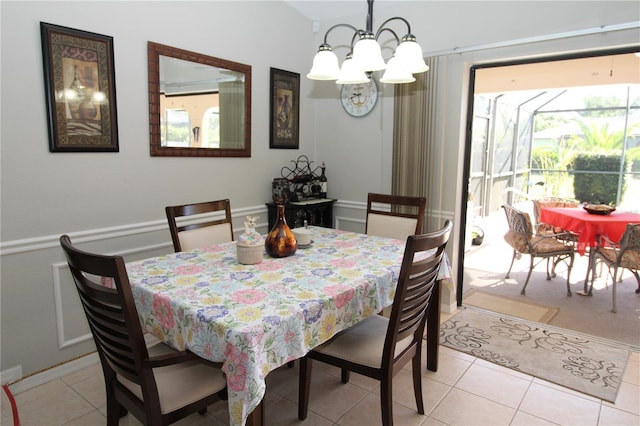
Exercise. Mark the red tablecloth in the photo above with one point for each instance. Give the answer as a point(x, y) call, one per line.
point(588, 225)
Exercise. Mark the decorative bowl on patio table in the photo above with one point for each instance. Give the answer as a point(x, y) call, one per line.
point(601, 209)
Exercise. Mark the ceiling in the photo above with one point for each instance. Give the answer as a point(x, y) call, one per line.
point(603, 70)
point(595, 71)
point(326, 10)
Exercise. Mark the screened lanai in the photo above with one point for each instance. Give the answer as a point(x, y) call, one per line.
point(527, 142)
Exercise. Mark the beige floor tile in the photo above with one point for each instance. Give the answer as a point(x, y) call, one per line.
point(92, 418)
point(84, 374)
point(93, 390)
point(559, 407)
point(628, 398)
point(284, 380)
point(366, 383)
point(330, 398)
point(5, 409)
point(463, 408)
point(197, 419)
point(450, 369)
point(51, 404)
point(129, 420)
point(445, 351)
point(493, 384)
point(432, 391)
point(547, 384)
point(524, 419)
point(610, 416)
point(432, 422)
point(632, 373)
point(283, 412)
point(220, 411)
point(368, 412)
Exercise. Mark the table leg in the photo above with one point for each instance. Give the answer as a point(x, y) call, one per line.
point(257, 416)
point(433, 328)
point(588, 291)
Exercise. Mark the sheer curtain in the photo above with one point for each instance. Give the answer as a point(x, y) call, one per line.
point(231, 114)
point(414, 137)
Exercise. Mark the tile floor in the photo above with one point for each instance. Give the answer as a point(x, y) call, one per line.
point(464, 391)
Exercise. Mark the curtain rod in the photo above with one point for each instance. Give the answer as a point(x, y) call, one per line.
point(526, 40)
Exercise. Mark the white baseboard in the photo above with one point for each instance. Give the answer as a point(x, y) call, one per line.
point(11, 375)
point(46, 376)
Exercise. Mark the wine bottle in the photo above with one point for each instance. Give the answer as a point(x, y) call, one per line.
point(323, 182)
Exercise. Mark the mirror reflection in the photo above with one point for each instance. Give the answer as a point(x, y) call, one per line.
point(199, 105)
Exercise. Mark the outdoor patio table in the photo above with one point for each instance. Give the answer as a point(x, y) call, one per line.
point(256, 318)
point(587, 225)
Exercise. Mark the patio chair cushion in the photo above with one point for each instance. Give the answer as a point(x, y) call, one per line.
point(539, 245)
point(630, 258)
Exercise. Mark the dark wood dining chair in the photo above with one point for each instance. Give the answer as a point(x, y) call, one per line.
point(624, 254)
point(394, 216)
point(549, 247)
point(157, 385)
point(379, 347)
point(192, 234)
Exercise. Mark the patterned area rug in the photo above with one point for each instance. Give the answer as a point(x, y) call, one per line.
point(583, 363)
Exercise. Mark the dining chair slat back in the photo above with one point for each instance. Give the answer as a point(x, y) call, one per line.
point(379, 347)
point(394, 216)
point(191, 234)
point(134, 381)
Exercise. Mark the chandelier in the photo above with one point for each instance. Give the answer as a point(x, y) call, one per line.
point(365, 56)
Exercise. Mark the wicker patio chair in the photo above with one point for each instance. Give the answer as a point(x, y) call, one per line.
point(547, 247)
point(625, 254)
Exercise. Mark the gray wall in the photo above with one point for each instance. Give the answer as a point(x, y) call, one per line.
point(113, 202)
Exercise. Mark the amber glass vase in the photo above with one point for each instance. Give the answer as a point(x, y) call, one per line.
point(280, 241)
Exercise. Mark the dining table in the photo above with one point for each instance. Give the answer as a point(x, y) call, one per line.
point(256, 318)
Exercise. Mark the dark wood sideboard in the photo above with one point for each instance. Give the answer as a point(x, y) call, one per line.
point(316, 212)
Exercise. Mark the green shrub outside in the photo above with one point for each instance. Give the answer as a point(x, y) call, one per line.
point(597, 188)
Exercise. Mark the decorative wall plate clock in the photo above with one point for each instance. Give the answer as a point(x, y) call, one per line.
point(359, 99)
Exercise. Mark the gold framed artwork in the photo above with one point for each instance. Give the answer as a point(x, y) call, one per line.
point(80, 92)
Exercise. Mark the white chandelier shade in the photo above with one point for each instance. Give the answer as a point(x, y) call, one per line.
point(410, 54)
point(325, 66)
point(366, 56)
point(351, 73)
point(397, 73)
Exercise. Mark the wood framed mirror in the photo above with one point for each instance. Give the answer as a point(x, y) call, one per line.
point(199, 105)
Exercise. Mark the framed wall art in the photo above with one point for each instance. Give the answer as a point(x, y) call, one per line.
point(79, 80)
point(285, 109)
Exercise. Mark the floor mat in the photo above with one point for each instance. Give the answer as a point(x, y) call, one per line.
point(508, 306)
point(580, 362)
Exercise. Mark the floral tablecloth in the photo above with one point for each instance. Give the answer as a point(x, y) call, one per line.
point(255, 318)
